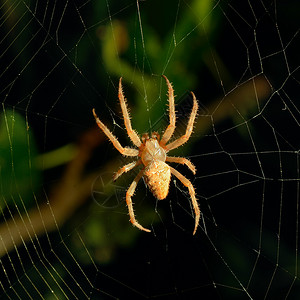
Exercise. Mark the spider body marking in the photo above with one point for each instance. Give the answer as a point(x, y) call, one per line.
point(157, 173)
point(152, 154)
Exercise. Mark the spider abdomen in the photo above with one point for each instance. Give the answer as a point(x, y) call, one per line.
point(158, 176)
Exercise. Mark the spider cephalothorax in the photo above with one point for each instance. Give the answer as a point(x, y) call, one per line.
point(152, 155)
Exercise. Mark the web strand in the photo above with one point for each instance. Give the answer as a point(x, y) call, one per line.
point(64, 228)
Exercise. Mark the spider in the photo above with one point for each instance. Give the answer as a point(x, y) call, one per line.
point(152, 155)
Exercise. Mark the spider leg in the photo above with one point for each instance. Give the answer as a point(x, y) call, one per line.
point(131, 133)
point(129, 194)
point(188, 184)
point(171, 127)
point(178, 142)
point(183, 161)
point(126, 168)
point(123, 150)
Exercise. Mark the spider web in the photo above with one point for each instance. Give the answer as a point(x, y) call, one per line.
point(64, 231)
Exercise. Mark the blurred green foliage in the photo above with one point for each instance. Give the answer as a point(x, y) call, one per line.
point(68, 55)
point(19, 175)
point(140, 51)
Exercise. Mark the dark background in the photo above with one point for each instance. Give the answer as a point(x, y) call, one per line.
point(59, 60)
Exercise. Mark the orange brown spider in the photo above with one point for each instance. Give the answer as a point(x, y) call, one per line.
point(152, 153)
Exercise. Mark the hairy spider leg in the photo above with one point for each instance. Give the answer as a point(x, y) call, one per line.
point(126, 168)
point(189, 185)
point(131, 133)
point(129, 194)
point(183, 161)
point(172, 116)
point(189, 129)
point(123, 150)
